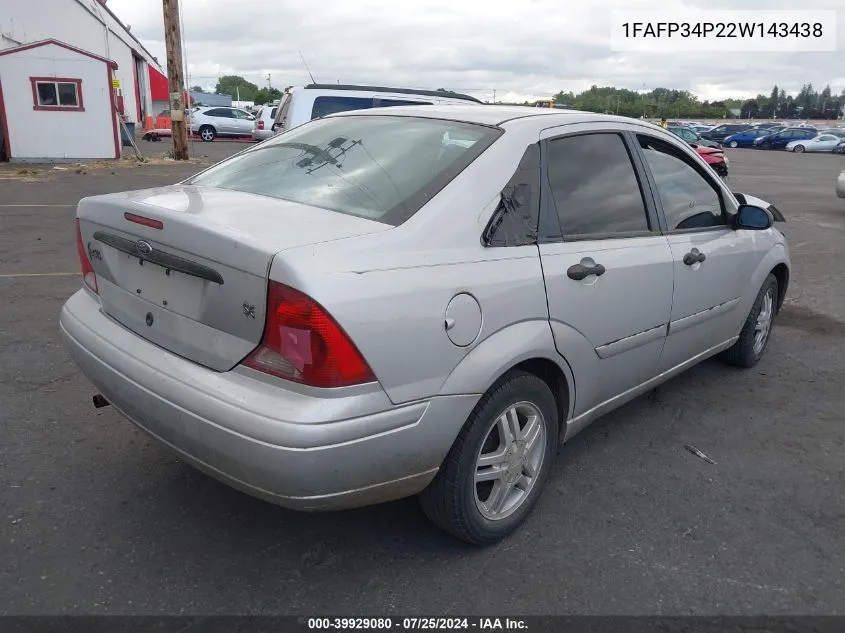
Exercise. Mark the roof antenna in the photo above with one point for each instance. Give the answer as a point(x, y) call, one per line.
point(313, 81)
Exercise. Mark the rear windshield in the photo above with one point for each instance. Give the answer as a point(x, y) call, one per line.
point(378, 167)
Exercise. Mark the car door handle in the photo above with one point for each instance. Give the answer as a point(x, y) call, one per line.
point(579, 271)
point(695, 256)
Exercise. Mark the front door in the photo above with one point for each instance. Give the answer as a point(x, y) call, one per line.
point(713, 263)
point(608, 270)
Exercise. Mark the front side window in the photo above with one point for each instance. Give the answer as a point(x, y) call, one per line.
point(53, 93)
point(377, 167)
point(594, 187)
point(323, 106)
point(689, 200)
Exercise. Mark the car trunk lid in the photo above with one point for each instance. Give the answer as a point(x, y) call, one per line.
point(186, 267)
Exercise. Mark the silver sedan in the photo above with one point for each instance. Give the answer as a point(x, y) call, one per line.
point(820, 143)
point(417, 300)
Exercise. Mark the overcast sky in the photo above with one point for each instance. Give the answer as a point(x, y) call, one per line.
point(525, 49)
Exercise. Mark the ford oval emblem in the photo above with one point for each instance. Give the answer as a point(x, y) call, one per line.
point(144, 248)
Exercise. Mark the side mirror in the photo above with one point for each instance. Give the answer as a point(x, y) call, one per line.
point(752, 218)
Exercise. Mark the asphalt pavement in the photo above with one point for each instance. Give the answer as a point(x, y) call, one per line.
point(95, 518)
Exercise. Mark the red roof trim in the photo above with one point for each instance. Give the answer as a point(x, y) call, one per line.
point(18, 49)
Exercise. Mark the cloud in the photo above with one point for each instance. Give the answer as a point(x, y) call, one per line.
point(523, 49)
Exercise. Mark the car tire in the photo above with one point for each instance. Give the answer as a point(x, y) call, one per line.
point(749, 348)
point(208, 133)
point(466, 508)
point(733, 144)
point(798, 149)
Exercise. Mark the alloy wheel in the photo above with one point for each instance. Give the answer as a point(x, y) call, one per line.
point(764, 321)
point(509, 461)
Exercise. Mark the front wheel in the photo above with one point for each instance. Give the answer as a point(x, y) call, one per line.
point(497, 467)
point(754, 337)
point(208, 133)
point(798, 149)
point(766, 145)
point(733, 144)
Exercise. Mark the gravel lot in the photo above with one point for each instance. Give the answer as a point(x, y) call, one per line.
point(97, 519)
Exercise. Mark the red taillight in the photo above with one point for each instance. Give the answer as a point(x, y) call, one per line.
point(260, 124)
point(303, 343)
point(89, 277)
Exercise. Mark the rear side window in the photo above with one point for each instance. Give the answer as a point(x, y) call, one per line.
point(220, 112)
point(388, 103)
point(377, 167)
point(323, 106)
point(273, 113)
point(594, 186)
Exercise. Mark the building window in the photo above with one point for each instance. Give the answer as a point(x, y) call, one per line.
point(57, 93)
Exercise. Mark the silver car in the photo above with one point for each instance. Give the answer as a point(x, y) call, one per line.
point(211, 122)
point(417, 300)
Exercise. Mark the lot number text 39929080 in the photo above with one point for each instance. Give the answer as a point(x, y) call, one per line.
point(418, 624)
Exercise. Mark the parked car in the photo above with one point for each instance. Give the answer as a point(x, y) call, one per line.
point(313, 101)
point(213, 121)
point(719, 132)
point(691, 137)
point(326, 337)
point(820, 143)
point(745, 138)
point(781, 139)
point(699, 129)
point(715, 158)
point(835, 131)
point(263, 126)
point(840, 184)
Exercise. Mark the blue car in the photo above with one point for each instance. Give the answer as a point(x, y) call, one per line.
point(780, 139)
point(745, 138)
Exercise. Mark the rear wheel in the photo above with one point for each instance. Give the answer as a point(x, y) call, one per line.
point(208, 133)
point(497, 467)
point(754, 337)
point(798, 149)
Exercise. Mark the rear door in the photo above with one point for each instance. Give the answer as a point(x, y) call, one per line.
point(713, 263)
point(607, 268)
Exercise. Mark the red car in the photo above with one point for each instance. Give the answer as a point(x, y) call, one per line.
point(715, 158)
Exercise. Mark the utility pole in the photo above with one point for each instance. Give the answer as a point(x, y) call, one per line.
point(175, 78)
point(269, 85)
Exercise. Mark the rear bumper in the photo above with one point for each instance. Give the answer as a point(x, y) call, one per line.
point(293, 449)
point(261, 135)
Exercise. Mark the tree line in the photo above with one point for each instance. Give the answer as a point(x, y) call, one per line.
point(809, 103)
point(236, 86)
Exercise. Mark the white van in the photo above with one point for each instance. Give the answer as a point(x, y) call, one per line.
point(302, 104)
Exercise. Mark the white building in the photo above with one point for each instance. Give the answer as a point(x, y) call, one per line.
point(56, 103)
point(88, 25)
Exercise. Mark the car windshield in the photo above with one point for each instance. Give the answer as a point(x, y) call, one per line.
point(383, 168)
